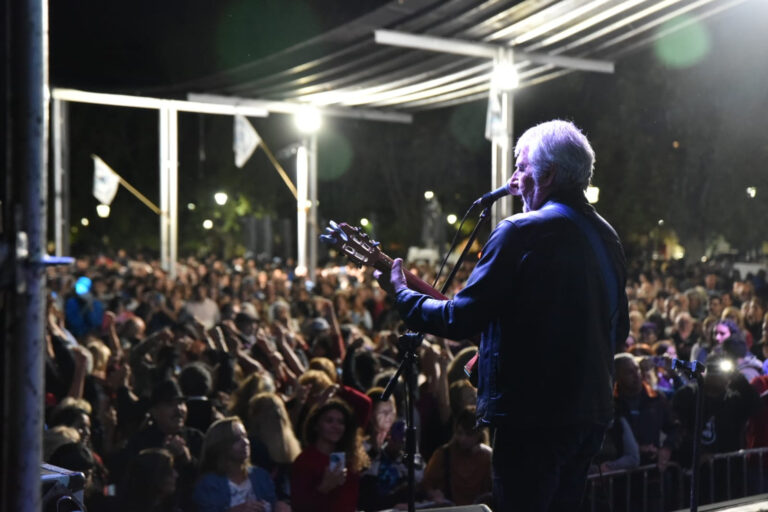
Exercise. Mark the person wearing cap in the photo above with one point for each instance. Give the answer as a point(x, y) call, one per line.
point(166, 428)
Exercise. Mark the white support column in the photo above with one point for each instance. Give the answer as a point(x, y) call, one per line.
point(168, 188)
point(502, 157)
point(59, 129)
point(173, 189)
point(302, 190)
point(312, 212)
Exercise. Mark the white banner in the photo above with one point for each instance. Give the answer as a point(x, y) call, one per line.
point(494, 126)
point(246, 140)
point(105, 181)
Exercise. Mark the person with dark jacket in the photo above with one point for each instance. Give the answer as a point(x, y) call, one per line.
point(548, 298)
point(647, 412)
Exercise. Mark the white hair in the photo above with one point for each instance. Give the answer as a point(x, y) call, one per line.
point(561, 147)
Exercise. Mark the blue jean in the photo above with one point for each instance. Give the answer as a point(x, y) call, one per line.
point(543, 469)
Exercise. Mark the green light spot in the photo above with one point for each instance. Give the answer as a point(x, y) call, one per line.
point(334, 155)
point(685, 43)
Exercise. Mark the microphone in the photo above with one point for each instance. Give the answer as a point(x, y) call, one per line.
point(491, 197)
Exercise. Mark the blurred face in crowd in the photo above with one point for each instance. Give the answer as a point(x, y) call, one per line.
point(629, 379)
point(715, 307)
point(83, 425)
point(722, 333)
point(466, 440)
point(331, 426)
point(710, 281)
point(384, 415)
point(755, 312)
point(170, 416)
point(241, 447)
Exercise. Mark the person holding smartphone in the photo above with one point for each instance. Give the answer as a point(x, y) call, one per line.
point(326, 475)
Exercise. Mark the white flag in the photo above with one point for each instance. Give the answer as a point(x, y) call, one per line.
point(105, 181)
point(494, 126)
point(246, 140)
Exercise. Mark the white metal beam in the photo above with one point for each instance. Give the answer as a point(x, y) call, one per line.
point(287, 107)
point(485, 50)
point(125, 100)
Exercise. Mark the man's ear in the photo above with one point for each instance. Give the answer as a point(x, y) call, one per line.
point(548, 179)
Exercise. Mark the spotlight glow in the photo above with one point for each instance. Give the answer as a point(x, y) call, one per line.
point(308, 119)
point(726, 365)
point(429, 195)
point(191, 206)
point(751, 192)
point(102, 210)
point(84, 221)
point(207, 224)
point(593, 194)
point(451, 218)
point(364, 222)
point(504, 76)
point(220, 198)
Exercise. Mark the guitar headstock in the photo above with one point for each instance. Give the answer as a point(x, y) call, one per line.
point(353, 242)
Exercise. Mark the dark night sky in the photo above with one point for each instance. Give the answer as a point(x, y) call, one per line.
point(714, 105)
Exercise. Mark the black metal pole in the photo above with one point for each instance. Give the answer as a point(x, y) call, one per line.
point(410, 436)
point(484, 215)
point(697, 441)
point(26, 346)
point(407, 344)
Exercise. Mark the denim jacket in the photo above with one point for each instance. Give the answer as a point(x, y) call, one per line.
point(537, 298)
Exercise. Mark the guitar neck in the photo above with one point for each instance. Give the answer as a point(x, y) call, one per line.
point(384, 264)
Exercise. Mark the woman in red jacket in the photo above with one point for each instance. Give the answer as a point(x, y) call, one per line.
point(316, 483)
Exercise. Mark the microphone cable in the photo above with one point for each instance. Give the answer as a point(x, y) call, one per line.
point(454, 243)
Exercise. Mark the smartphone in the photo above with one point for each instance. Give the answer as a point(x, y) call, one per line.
point(338, 460)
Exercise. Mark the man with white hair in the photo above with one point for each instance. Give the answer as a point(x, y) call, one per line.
point(548, 297)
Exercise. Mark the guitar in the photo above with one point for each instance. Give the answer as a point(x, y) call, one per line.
point(361, 250)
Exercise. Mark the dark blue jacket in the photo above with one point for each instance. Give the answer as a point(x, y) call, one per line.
point(538, 300)
point(212, 491)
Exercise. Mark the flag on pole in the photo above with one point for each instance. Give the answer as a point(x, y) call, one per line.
point(494, 126)
point(105, 181)
point(246, 140)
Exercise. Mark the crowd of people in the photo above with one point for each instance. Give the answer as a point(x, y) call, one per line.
point(243, 385)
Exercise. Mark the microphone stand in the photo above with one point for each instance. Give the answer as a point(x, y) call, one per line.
point(407, 345)
point(693, 370)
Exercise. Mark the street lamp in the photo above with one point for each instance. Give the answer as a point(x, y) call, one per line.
point(308, 119)
point(102, 210)
point(220, 198)
point(504, 75)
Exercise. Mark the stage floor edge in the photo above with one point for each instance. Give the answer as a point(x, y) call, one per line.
point(758, 503)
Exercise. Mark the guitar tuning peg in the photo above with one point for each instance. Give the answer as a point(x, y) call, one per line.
point(375, 244)
point(328, 239)
point(329, 231)
point(343, 236)
point(333, 224)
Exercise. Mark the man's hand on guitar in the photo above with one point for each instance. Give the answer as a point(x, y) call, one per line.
point(395, 280)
